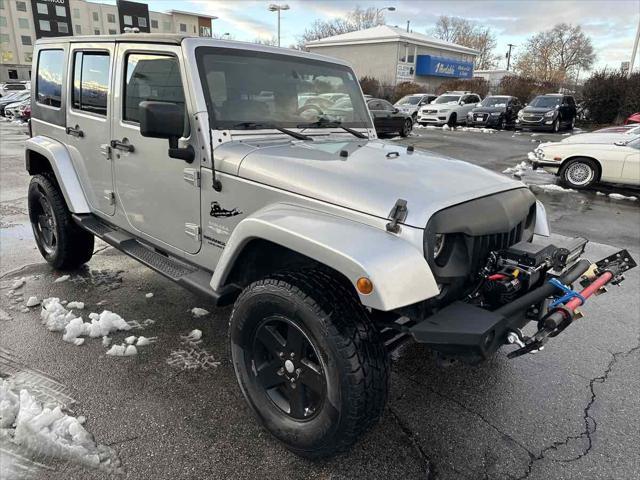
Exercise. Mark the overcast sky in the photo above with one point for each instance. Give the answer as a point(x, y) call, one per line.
point(611, 24)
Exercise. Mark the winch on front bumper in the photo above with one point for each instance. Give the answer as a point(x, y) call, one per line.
point(529, 281)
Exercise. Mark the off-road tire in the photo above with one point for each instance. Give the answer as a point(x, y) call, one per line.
point(73, 246)
point(453, 120)
point(406, 128)
point(572, 173)
point(356, 363)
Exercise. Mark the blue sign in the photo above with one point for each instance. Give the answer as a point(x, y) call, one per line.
point(443, 67)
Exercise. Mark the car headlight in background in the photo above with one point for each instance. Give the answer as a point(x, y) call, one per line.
point(520, 114)
point(550, 113)
point(438, 244)
point(496, 114)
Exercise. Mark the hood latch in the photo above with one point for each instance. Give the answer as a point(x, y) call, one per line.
point(397, 215)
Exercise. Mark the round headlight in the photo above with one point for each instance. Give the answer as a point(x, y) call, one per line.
point(438, 244)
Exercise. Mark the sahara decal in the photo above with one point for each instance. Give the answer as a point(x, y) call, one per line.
point(217, 211)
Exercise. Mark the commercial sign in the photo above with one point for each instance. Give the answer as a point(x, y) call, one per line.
point(404, 73)
point(51, 18)
point(443, 67)
point(133, 15)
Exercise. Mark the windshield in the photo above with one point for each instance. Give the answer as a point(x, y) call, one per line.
point(409, 100)
point(447, 99)
point(245, 87)
point(545, 102)
point(494, 102)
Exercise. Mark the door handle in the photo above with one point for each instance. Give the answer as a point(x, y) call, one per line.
point(75, 131)
point(123, 145)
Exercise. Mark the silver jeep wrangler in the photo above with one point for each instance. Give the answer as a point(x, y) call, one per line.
point(205, 161)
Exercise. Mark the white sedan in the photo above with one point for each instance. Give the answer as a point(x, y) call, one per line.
point(580, 165)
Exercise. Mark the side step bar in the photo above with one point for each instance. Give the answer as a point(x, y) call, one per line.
point(189, 276)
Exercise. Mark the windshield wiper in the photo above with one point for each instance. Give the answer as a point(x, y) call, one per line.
point(323, 123)
point(255, 126)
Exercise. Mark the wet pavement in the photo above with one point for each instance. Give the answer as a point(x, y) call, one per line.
point(571, 411)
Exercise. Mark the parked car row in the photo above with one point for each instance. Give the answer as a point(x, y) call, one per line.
point(550, 111)
point(16, 105)
point(9, 87)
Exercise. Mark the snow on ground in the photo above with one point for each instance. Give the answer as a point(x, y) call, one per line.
point(32, 302)
point(199, 312)
point(517, 170)
point(149, 295)
point(619, 196)
point(18, 283)
point(76, 305)
point(61, 279)
point(32, 429)
point(191, 355)
point(554, 188)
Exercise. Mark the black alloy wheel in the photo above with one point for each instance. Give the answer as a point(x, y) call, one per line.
point(288, 367)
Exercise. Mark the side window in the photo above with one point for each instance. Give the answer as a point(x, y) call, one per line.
point(90, 82)
point(374, 105)
point(150, 77)
point(387, 106)
point(49, 79)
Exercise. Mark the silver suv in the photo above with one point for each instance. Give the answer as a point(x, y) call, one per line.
point(201, 159)
point(450, 108)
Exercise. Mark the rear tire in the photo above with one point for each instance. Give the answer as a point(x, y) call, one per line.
point(62, 243)
point(317, 402)
point(579, 173)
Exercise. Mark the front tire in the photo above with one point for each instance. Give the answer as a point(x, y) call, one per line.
point(453, 120)
point(579, 173)
point(406, 128)
point(63, 244)
point(556, 125)
point(308, 361)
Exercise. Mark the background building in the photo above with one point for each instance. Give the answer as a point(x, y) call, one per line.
point(493, 77)
point(24, 21)
point(392, 55)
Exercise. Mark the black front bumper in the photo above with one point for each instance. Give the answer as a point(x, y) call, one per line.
point(474, 334)
point(489, 122)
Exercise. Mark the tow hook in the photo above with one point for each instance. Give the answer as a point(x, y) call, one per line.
point(564, 309)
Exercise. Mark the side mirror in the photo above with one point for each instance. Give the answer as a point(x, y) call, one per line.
point(165, 120)
point(620, 143)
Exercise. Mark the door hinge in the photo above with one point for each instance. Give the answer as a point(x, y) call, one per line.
point(192, 176)
point(105, 151)
point(110, 197)
point(192, 230)
point(397, 215)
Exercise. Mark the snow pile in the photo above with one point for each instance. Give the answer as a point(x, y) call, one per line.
point(618, 196)
point(57, 318)
point(77, 305)
point(18, 283)
point(517, 170)
point(122, 351)
point(446, 127)
point(554, 188)
point(194, 335)
point(61, 279)
point(149, 295)
point(476, 130)
point(199, 312)
point(43, 429)
point(32, 302)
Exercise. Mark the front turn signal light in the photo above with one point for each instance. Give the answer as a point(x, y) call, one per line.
point(364, 286)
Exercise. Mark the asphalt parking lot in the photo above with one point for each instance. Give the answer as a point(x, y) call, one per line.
point(569, 412)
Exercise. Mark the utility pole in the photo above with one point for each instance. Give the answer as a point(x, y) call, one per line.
point(408, 22)
point(511, 45)
point(635, 50)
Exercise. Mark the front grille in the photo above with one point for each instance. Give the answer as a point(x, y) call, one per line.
point(482, 245)
point(532, 118)
point(430, 111)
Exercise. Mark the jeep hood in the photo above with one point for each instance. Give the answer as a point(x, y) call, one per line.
point(369, 176)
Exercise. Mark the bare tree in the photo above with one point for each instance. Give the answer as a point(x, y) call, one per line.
point(357, 19)
point(555, 55)
point(468, 34)
point(272, 42)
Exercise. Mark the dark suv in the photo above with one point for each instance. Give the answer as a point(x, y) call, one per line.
point(549, 112)
point(498, 111)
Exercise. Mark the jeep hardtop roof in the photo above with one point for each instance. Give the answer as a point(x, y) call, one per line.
point(170, 38)
point(177, 39)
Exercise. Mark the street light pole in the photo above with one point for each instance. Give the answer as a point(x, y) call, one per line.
point(278, 8)
point(391, 9)
point(635, 50)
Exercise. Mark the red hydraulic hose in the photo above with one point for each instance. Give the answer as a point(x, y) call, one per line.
point(558, 316)
point(596, 285)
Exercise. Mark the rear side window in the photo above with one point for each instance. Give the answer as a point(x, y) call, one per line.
point(91, 82)
point(49, 80)
point(150, 77)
